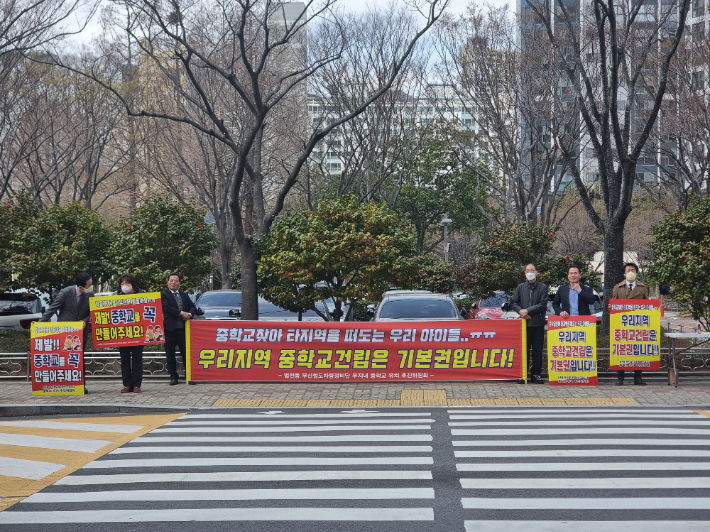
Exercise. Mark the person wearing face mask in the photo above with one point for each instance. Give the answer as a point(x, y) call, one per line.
point(72, 304)
point(131, 356)
point(630, 288)
point(530, 302)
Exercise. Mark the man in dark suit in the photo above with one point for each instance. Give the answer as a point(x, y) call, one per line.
point(177, 309)
point(72, 304)
point(573, 299)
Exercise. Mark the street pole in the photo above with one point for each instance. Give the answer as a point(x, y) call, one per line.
point(446, 221)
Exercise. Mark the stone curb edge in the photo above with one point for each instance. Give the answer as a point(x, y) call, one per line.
point(10, 410)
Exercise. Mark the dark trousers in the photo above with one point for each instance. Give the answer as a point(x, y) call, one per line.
point(637, 374)
point(536, 336)
point(173, 339)
point(132, 365)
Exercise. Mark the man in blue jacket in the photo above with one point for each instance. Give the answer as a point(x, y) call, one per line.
point(573, 299)
point(530, 302)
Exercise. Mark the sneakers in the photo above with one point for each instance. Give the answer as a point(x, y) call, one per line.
point(127, 389)
point(638, 381)
point(619, 382)
point(536, 379)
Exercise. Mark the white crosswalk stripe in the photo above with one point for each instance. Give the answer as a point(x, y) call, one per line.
point(511, 474)
point(200, 468)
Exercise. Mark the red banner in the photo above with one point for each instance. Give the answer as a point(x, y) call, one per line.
point(57, 358)
point(126, 320)
point(385, 351)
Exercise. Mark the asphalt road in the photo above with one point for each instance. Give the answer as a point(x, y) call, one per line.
point(420, 469)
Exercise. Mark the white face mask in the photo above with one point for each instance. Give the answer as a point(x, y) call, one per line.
point(126, 288)
point(531, 276)
point(89, 290)
point(631, 277)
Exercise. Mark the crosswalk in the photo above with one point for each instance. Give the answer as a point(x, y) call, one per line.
point(591, 470)
point(35, 453)
point(283, 467)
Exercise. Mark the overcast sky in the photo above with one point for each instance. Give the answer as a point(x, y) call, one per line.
point(456, 6)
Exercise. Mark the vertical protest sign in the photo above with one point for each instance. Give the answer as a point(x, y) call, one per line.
point(57, 352)
point(635, 326)
point(127, 320)
point(572, 350)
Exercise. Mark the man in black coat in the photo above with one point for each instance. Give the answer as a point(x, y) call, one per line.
point(573, 299)
point(177, 309)
point(530, 302)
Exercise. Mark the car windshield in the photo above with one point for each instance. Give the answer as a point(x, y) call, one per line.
point(23, 306)
point(496, 301)
point(271, 310)
point(419, 308)
point(220, 299)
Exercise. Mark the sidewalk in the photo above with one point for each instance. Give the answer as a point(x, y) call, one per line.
point(158, 394)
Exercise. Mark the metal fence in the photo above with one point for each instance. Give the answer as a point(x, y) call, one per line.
point(107, 364)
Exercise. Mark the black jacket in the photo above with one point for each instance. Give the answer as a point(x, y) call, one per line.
point(532, 297)
point(171, 312)
point(561, 301)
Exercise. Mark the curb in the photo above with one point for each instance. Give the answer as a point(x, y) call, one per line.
point(82, 409)
point(76, 408)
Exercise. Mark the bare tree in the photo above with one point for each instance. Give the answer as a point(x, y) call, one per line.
point(256, 57)
point(511, 88)
point(681, 142)
point(616, 55)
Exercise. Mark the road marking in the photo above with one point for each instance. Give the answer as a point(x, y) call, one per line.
point(584, 483)
point(219, 514)
point(64, 425)
point(256, 476)
point(559, 432)
point(586, 526)
point(581, 423)
point(283, 449)
point(621, 442)
point(570, 411)
point(274, 423)
point(582, 453)
point(575, 415)
point(205, 430)
point(62, 447)
point(588, 466)
point(28, 469)
point(315, 416)
point(201, 462)
point(284, 439)
point(46, 442)
point(233, 495)
point(426, 401)
point(568, 503)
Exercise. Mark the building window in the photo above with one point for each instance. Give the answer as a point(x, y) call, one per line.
point(334, 167)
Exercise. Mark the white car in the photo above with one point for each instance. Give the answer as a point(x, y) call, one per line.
point(18, 310)
point(415, 305)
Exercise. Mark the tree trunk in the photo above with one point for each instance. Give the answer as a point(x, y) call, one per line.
point(225, 256)
point(613, 264)
point(250, 301)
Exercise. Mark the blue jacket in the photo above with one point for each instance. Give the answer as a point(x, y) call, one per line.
point(561, 301)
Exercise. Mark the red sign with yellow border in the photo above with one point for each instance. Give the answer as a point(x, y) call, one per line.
point(350, 351)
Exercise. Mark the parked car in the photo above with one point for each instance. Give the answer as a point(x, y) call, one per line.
point(19, 310)
point(495, 307)
point(415, 305)
point(227, 304)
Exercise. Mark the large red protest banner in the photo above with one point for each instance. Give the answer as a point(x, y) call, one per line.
point(389, 351)
point(127, 320)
